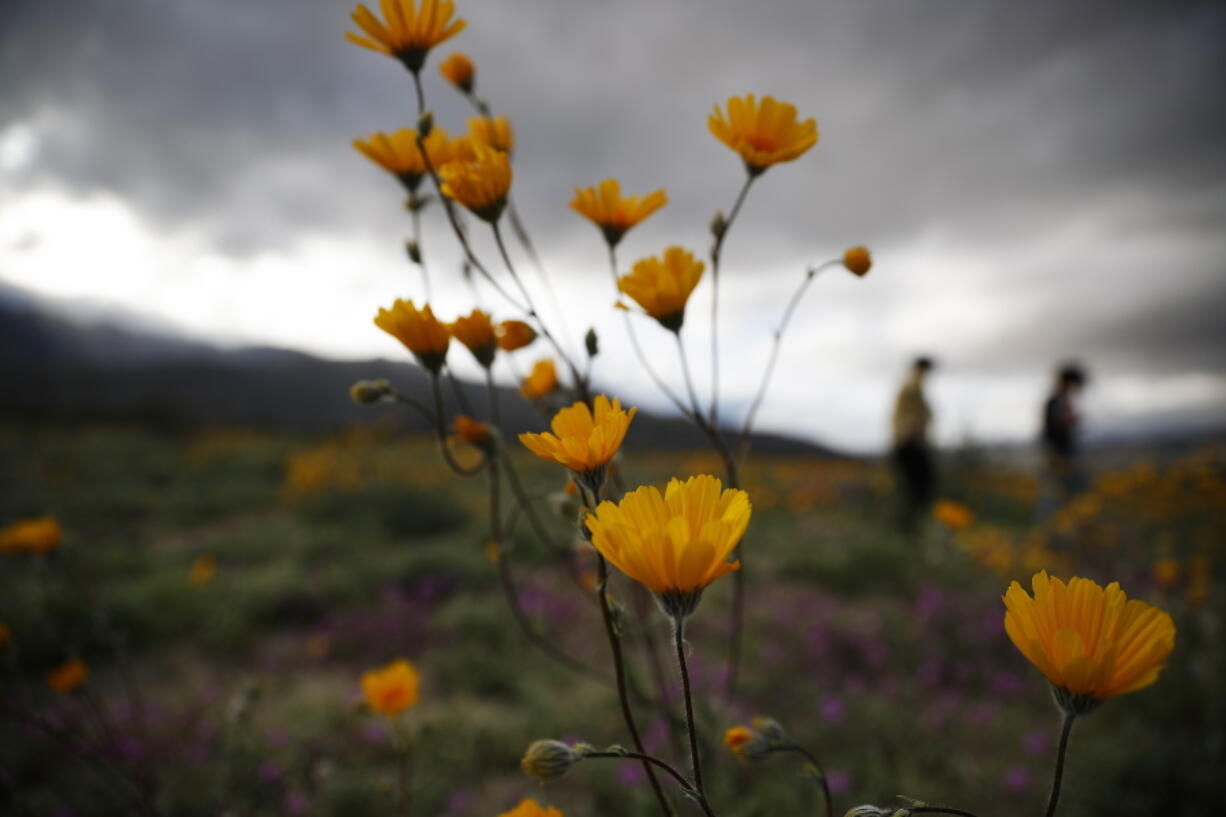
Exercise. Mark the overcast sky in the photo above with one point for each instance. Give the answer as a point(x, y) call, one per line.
point(1037, 181)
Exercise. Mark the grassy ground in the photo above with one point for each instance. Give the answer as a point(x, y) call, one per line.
point(883, 654)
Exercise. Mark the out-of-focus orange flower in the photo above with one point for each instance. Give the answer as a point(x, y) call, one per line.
point(858, 260)
point(459, 70)
point(421, 333)
point(67, 677)
point(541, 381)
point(407, 32)
point(398, 154)
point(1091, 643)
point(1166, 572)
point(392, 689)
point(530, 808)
point(952, 515)
point(605, 207)
point(493, 132)
point(471, 431)
point(202, 572)
point(736, 737)
point(514, 335)
point(583, 439)
point(476, 332)
point(38, 535)
point(662, 286)
point(480, 184)
point(763, 133)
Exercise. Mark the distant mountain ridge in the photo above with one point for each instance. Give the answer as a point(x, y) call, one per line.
point(55, 367)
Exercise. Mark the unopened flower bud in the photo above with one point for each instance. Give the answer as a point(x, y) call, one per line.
point(745, 743)
point(770, 729)
point(366, 392)
point(719, 225)
point(591, 342)
point(548, 760)
point(858, 261)
point(414, 251)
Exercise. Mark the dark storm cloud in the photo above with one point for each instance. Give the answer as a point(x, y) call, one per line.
point(993, 125)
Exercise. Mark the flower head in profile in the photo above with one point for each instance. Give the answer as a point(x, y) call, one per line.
point(745, 743)
point(493, 132)
point(662, 286)
point(675, 543)
point(481, 184)
point(398, 154)
point(583, 439)
point(1091, 643)
point(548, 760)
point(204, 569)
point(476, 332)
point(40, 534)
point(953, 515)
point(542, 381)
point(605, 207)
point(392, 689)
point(763, 133)
point(459, 70)
point(407, 32)
point(858, 261)
point(530, 808)
point(68, 677)
point(471, 431)
point(514, 335)
point(422, 334)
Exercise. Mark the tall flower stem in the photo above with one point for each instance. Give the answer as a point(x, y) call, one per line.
point(695, 758)
point(742, 444)
point(580, 381)
point(821, 772)
point(685, 785)
point(1058, 775)
point(415, 205)
point(440, 431)
point(642, 607)
point(716, 251)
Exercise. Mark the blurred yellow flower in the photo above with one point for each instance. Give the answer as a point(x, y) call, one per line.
point(481, 183)
point(493, 132)
point(421, 333)
point(763, 133)
point(37, 535)
point(470, 430)
point(604, 206)
point(476, 332)
point(406, 33)
point(1091, 643)
point(663, 285)
point(202, 572)
point(459, 70)
point(583, 439)
point(530, 808)
point(391, 689)
point(541, 381)
point(952, 515)
point(858, 260)
point(67, 677)
point(398, 154)
point(675, 543)
point(736, 737)
point(514, 335)
point(1166, 572)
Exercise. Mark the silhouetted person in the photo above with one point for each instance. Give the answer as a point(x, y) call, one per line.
point(1061, 428)
point(912, 454)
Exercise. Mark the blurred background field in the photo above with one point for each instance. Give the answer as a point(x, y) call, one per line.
point(228, 587)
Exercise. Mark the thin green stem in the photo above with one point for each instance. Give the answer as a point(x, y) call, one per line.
point(415, 217)
point(716, 252)
point(685, 371)
point(1058, 775)
point(695, 758)
point(812, 759)
point(685, 785)
point(440, 431)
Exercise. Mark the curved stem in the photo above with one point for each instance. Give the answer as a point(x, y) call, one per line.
point(742, 444)
point(812, 758)
point(1058, 775)
point(695, 759)
point(716, 250)
point(440, 431)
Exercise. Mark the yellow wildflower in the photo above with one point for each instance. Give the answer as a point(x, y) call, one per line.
point(604, 206)
point(675, 543)
point(541, 381)
point(952, 515)
point(763, 133)
point(37, 535)
point(398, 154)
point(514, 335)
point(67, 677)
point(530, 808)
point(470, 430)
point(493, 132)
point(583, 439)
point(1091, 643)
point(459, 70)
point(421, 333)
point(407, 32)
point(391, 689)
point(476, 332)
point(1166, 572)
point(481, 183)
point(663, 285)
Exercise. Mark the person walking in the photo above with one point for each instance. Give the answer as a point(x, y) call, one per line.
point(912, 454)
point(1061, 426)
